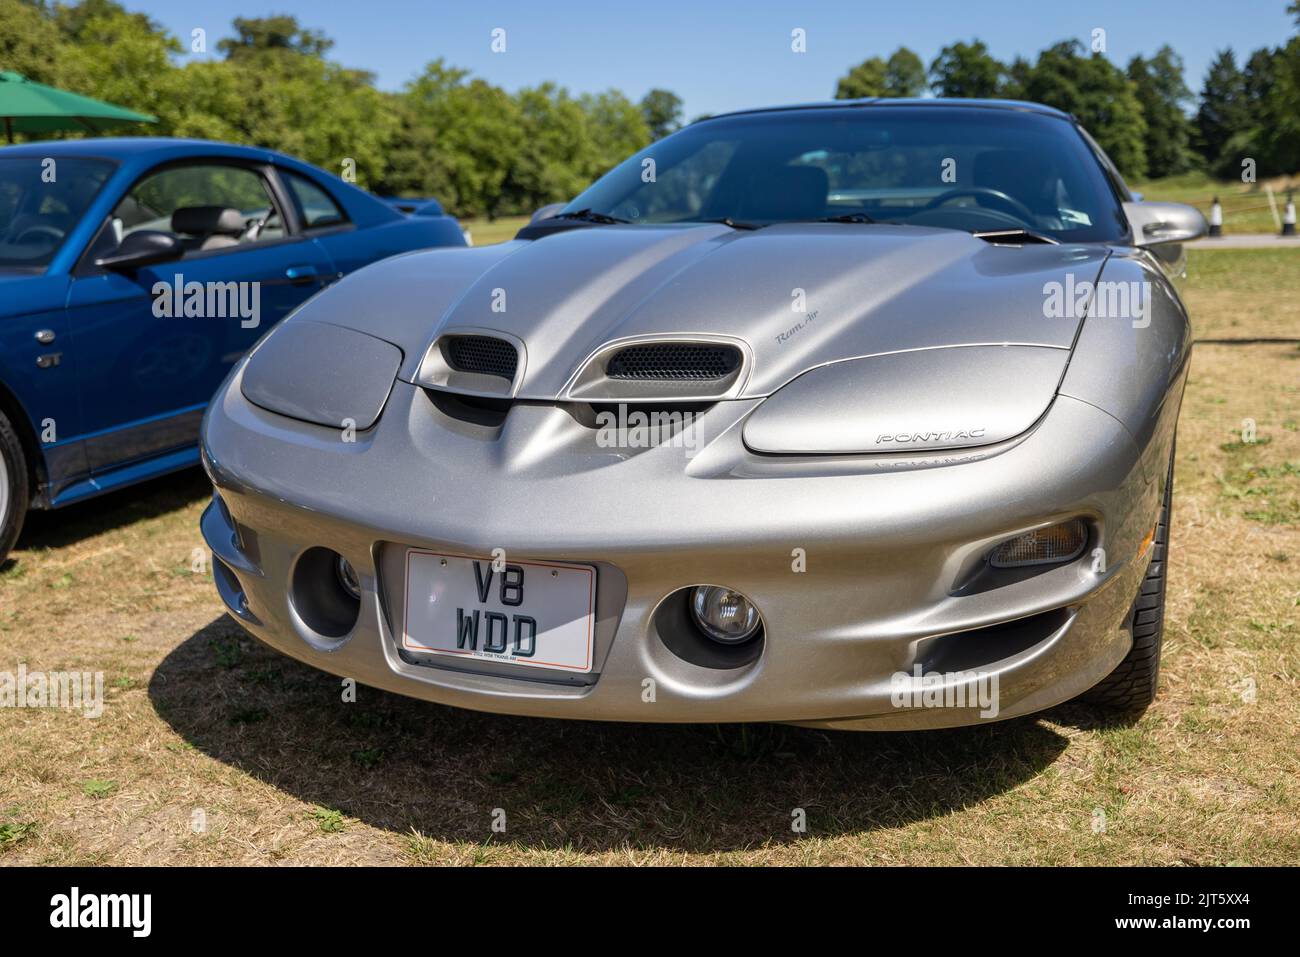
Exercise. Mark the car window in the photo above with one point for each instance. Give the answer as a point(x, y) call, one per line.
point(314, 204)
point(41, 200)
point(936, 166)
point(681, 189)
point(208, 206)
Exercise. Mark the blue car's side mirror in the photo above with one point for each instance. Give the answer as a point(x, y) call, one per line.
point(143, 248)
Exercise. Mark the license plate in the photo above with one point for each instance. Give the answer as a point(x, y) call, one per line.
point(535, 614)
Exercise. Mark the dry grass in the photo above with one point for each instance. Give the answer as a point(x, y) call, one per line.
point(1244, 293)
point(201, 718)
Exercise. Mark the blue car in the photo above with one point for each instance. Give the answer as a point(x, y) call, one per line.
point(133, 273)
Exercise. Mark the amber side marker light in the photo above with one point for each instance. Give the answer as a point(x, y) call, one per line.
point(1148, 542)
point(1053, 545)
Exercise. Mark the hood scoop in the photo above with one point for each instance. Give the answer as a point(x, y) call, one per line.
point(667, 361)
point(481, 363)
point(678, 369)
point(482, 355)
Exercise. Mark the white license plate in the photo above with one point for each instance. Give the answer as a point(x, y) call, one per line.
point(536, 614)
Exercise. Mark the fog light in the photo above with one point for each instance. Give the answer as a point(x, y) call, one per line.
point(347, 576)
point(724, 615)
point(1046, 546)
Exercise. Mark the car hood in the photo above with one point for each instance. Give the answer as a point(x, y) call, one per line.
point(796, 296)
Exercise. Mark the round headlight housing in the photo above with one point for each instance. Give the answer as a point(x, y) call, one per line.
point(724, 614)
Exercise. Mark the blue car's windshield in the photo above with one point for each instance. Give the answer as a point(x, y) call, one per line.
point(41, 200)
point(967, 168)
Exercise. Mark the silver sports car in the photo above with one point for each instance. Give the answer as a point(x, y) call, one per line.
point(857, 415)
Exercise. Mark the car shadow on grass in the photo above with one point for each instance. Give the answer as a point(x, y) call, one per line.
point(113, 510)
point(412, 767)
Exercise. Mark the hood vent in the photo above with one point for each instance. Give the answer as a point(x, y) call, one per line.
point(483, 355)
point(674, 361)
point(475, 363)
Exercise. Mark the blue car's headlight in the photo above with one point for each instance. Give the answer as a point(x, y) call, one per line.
point(323, 374)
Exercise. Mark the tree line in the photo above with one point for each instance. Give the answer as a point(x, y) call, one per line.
point(486, 152)
point(1142, 116)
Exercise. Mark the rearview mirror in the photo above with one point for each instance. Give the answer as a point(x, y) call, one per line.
point(1157, 223)
point(142, 248)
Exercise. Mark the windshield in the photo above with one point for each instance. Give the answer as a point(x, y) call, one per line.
point(962, 168)
point(41, 200)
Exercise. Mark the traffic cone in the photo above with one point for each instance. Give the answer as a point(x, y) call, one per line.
point(1288, 218)
point(1216, 218)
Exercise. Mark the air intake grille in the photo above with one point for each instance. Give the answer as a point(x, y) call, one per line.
point(674, 360)
point(484, 355)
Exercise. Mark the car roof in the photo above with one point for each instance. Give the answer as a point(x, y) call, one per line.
point(1024, 106)
point(134, 147)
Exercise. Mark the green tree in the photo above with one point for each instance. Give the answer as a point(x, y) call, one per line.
point(458, 139)
point(1222, 114)
point(904, 74)
point(1015, 82)
point(1099, 94)
point(280, 33)
point(661, 111)
point(1272, 87)
point(30, 43)
point(619, 129)
point(107, 50)
point(867, 79)
point(966, 70)
point(1164, 95)
point(560, 150)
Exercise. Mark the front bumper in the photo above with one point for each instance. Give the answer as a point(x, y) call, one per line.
point(863, 567)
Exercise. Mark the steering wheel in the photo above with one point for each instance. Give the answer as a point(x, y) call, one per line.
point(53, 232)
point(997, 198)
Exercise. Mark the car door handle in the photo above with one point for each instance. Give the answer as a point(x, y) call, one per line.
point(301, 274)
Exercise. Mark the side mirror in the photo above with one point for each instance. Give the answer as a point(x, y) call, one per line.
point(546, 212)
point(1156, 223)
point(142, 248)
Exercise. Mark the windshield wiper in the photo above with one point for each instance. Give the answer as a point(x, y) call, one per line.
point(728, 221)
point(590, 216)
point(1014, 236)
point(846, 218)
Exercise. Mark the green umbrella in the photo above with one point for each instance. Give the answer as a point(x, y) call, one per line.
point(27, 107)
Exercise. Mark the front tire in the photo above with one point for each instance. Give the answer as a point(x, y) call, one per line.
point(13, 487)
point(1131, 686)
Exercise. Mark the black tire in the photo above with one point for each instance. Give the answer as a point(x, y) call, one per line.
point(13, 503)
point(1132, 685)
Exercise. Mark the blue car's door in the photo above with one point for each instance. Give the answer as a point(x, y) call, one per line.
point(36, 367)
point(153, 344)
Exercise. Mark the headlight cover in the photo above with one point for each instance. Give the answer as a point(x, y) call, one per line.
point(923, 400)
point(322, 373)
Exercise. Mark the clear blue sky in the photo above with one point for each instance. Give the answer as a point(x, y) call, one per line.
point(727, 54)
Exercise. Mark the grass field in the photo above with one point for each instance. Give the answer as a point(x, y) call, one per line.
point(486, 232)
point(214, 750)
